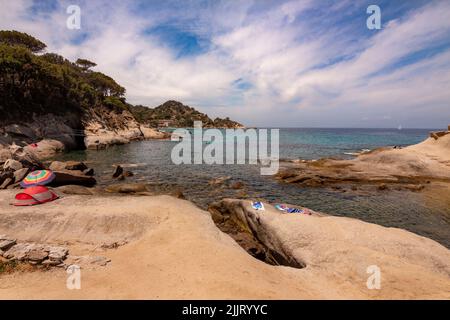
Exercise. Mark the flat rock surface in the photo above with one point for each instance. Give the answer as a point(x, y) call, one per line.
point(175, 251)
point(420, 163)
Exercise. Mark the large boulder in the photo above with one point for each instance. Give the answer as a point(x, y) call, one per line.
point(343, 249)
point(72, 177)
point(20, 174)
point(46, 148)
point(68, 165)
point(151, 133)
point(12, 165)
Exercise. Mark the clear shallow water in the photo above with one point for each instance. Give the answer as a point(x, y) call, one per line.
point(412, 211)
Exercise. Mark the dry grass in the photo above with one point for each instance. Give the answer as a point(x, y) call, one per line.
point(7, 267)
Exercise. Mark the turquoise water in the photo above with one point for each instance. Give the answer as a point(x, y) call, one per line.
point(313, 143)
point(150, 161)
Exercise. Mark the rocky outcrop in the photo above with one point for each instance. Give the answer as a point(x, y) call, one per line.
point(152, 133)
point(177, 115)
point(72, 177)
point(32, 253)
point(340, 248)
point(46, 135)
point(412, 166)
point(172, 247)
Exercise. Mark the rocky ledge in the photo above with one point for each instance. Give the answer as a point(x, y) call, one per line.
point(338, 248)
point(411, 168)
point(173, 250)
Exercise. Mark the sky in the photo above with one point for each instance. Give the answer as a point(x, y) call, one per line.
point(303, 63)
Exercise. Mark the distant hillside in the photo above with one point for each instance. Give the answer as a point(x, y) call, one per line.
point(175, 114)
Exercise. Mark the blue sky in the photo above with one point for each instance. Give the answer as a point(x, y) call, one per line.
point(265, 63)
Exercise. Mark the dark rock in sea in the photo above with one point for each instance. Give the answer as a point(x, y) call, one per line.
point(57, 166)
point(75, 165)
point(68, 165)
point(382, 186)
point(89, 172)
point(117, 172)
point(128, 174)
point(75, 177)
point(179, 194)
point(219, 180)
point(237, 185)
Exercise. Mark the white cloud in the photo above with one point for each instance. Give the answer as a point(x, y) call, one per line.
point(270, 49)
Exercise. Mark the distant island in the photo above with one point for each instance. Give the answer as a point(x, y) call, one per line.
point(57, 105)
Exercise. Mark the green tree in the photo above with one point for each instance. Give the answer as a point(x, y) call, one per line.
point(85, 64)
point(16, 38)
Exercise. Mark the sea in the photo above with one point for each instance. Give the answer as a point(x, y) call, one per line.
point(150, 161)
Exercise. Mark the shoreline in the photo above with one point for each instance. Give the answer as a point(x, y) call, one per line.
point(130, 233)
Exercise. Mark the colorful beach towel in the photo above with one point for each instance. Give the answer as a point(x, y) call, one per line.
point(257, 205)
point(286, 209)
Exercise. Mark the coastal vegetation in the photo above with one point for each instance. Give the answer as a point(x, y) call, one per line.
point(37, 83)
point(33, 83)
point(175, 114)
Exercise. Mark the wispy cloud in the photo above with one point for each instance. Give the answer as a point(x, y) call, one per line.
point(290, 63)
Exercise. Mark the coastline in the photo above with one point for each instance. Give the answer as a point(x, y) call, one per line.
point(131, 234)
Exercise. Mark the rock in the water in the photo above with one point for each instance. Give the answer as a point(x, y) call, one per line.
point(128, 174)
point(20, 174)
point(12, 164)
point(237, 185)
point(73, 177)
point(382, 186)
point(117, 172)
point(179, 194)
point(219, 180)
point(75, 165)
point(89, 172)
point(68, 165)
point(127, 188)
point(57, 166)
